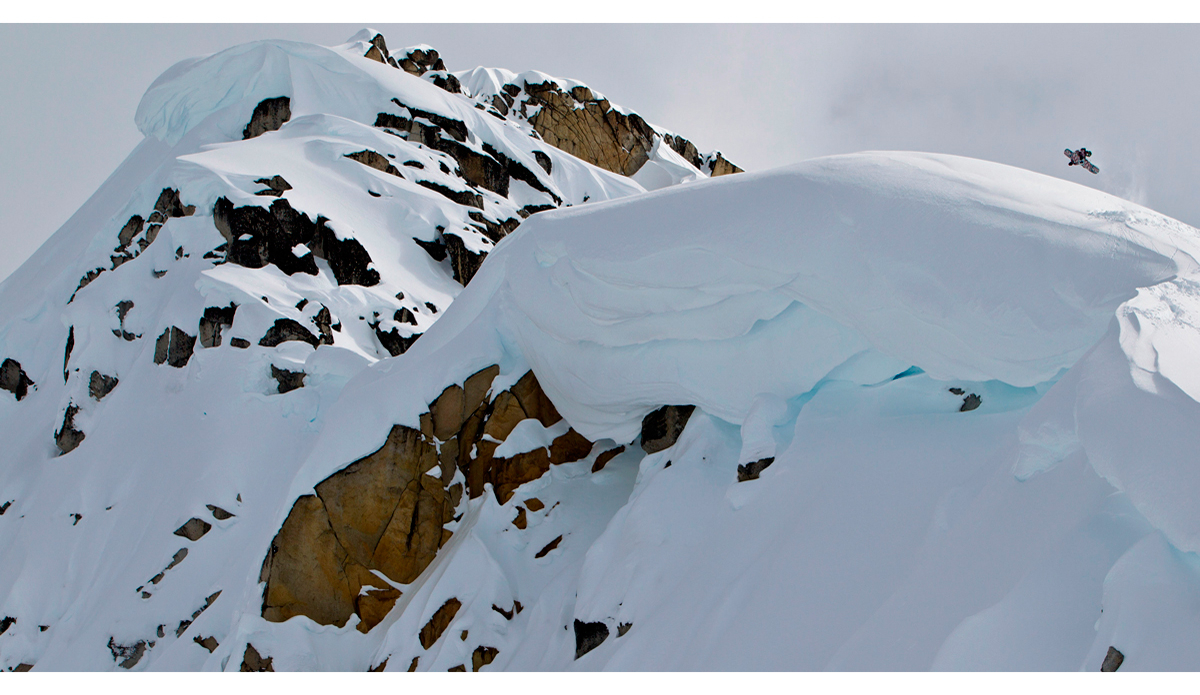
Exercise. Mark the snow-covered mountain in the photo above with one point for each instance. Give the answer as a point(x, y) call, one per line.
point(883, 411)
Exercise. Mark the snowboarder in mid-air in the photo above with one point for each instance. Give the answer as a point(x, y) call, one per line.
point(1080, 157)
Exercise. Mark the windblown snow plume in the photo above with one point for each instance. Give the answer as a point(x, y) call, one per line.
point(883, 411)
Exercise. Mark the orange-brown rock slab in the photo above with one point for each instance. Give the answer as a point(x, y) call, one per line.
point(439, 622)
point(414, 534)
point(305, 574)
point(373, 606)
point(362, 498)
point(571, 446)
point(482, 656)
point(605, 457)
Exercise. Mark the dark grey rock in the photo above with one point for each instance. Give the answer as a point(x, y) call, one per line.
point(751, 470)
point(127, 655)
point(194, 529)
point(218, 513)
point(661, 428)
point(214, 319)
point(1112, 660)
point(68, 437)
point(463, 262)
point(588, 636)
point(239, 343)
point(971, 402)
point(14, 379)
point(287, 380)
point(623, 628)
point(100, 385)
point(270, 114)
point(174, 347)
point(275, 186)
point(288, 329)
point(67, 355)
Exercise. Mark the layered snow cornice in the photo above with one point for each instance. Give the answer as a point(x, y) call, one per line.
point(767, 283)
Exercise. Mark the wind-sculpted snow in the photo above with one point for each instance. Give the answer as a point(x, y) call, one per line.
point(889, 337)
point(966, 269)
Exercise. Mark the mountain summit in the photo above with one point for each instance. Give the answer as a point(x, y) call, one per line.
point(357, 363)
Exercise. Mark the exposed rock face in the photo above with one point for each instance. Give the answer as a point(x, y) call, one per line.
point(549, 546)
point(275, 186)
point(287, 380)
point(588, 636)
point(623, 628)
point(438, 623)
point(970, 402)
point(145, 231)
point(253, 662)
point(258, 236)
point(662, 427)
point(270, 114)
point(386, 511)
point(376, 161)
point(721, 166)
point(1112, 660)
point(100, 385)
point(67, 353)
point(605, 457)
point(482, 656)
point(5, 623)
point(596, 133)
point(194, 529)
point(214, 319)
point(14, 379)
point(67, 438)
point(751, 470)
point(174, 347)
point(123, 308)
point(128, 655)
point(284, 330)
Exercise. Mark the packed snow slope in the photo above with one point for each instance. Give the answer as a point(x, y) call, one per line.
point(294, 213)
point(944, 418)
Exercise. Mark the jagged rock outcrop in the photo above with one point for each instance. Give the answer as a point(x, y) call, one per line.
point(214, 319)
point(67, 438)
point(432, 631)
point(275, 186)
point(270, 114)
point(100, 385)
point(588, 636)
point(14, 379)
point(174, 347)
point(387, 511)
point(662, 427)
point(258, 236)
point(284, 330)
point(1112, 660)
point(253, 662)
point(750, 471)
point(589, 128)
point(287, 379)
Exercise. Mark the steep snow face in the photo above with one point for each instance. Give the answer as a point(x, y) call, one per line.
point(930, 432)
point(295, 213)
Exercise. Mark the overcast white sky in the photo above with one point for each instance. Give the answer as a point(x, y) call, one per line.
point(765, 95)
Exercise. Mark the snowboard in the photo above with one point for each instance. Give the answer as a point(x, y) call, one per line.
point(1083, 162)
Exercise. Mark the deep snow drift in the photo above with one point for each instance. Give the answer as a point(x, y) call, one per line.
point(968, 392)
